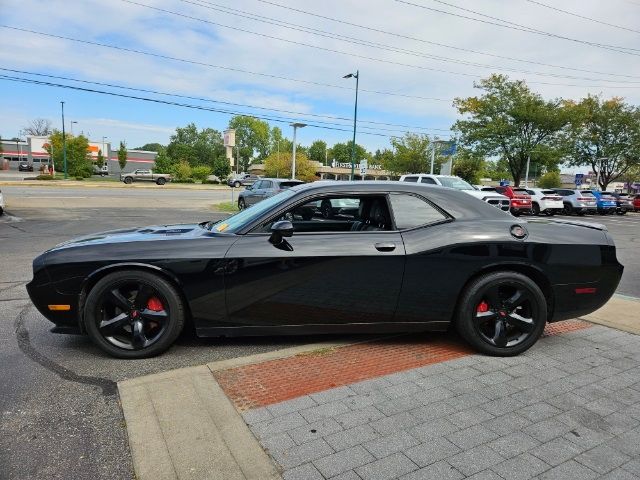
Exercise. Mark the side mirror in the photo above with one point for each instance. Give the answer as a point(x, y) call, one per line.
point(279, 231)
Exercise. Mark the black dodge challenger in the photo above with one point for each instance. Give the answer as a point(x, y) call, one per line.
point(408, 258)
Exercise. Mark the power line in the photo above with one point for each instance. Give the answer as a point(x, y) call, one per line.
point(595, 20)
point(186, 105)
point(331, 50)
point(516, 26)
point(204, 99)
point(444, 45)
point(211, 65)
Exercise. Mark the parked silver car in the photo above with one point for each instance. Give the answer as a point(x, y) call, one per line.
point(577, 201)
point(263, 188)
point(242, 179)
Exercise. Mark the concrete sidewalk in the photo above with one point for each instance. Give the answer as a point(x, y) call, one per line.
point(567, 408)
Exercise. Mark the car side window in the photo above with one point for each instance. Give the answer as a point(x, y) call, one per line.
point(410, 211)
point(428, 180)
point(265, 184)
point(257, 185)
point(411, 179)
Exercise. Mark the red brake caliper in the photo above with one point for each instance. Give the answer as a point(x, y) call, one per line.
point(482, 307)
point(155, 305)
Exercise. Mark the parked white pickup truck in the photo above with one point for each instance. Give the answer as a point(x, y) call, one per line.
point(145, 176)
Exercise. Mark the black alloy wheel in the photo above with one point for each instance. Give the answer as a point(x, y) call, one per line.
point(241, 204)
point(133, 314)
point(502, 313)
point(161, 181)
point(535, 209)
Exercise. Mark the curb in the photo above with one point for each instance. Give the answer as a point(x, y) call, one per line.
point(66, 184)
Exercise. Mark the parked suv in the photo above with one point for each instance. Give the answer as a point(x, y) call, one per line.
point(25, 167)
point(545, 201)
point(576, 201)
point(242, 179)
point(605, 202)
point(263, 188)
point(624, 203)
point(492, 198)
point(520, 199)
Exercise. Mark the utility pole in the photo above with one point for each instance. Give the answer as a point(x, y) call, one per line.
point(293, 160)
point(526, 175)
point(355, 119)
point(64, 143)
point(433, 155)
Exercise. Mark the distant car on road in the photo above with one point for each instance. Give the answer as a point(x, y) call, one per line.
point(545, 201)
point(495, 199)
point(242, 179)
point(103, 171)
point(145, 176)
point(577, 201)
point(1, 203)
point(624, 203)
point(25, 167)
point(520, 199)
point(263, 188)
point(605, 201)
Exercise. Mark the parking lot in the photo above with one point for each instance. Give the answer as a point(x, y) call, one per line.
point(60, 410)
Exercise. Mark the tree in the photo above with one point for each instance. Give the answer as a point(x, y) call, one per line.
point(182, 170)
point(221, 167)
point(341, 153)
point(252, 138)
point(38, 127)
point(203, 147)
point(122, 155)
point(632, 175)
point(163, 163)
point(512, 122)
point(411, 154)
point(496, 169)
point(78, 161)
point(151, 147)
point(100, 159)
point(279, 166)
point(604, 134)
point(318, 152)
point(468, 166)
point(550, 180)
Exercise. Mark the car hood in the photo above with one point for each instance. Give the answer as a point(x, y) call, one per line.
point(482, 195)
point(141, 234)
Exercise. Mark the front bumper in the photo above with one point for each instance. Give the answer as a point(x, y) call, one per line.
point(50, 302)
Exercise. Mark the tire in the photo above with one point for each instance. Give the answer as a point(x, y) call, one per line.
point(159, 323)
point(128, 180)
point(326, 209)
point(241, 204)
point(535, 209)
point(161, 181)
point(475, 321)
point(568, 209)
point(237, 184)
point(1, 211)
point(581, 213)
point(621, 212)
point(516, 213)
point(550, 212)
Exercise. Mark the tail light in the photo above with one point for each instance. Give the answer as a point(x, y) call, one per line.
point(552, 198)
point(586, 199)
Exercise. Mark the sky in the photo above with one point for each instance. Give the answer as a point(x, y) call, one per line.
point(285, 61)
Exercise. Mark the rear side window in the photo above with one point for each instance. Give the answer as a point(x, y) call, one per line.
point(411, 179)
point(410, 211)
point(266, 184)
point(428, 180)
point(547, 192)
point(284, 185)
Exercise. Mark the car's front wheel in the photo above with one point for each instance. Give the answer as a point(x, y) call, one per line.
point(133, 314)
point(236, 184)
point(535, 209)
point(128, 180)
point(161, 181)
point(502, 313)
point(241, 204)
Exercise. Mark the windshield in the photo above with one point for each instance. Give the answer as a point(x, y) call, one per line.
point(457, 183)
point(240, 219)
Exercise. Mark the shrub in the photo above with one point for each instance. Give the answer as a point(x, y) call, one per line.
point(201, 172)
point(46, 177)
point(550, 180)
point(79, 178)
point(182, 171)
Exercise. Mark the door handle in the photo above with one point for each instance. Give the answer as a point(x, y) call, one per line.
point(385, 246)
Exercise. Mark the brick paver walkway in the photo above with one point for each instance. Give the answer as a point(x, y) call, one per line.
point(568, 408)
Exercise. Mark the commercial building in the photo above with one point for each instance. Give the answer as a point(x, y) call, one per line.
point(33, 150)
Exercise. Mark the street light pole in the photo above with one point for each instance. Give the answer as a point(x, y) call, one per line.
point(355, 119)
point(293, 160)
point(64, 143)
point(72, 127)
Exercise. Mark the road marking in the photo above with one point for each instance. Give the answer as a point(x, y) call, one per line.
point(56, 197)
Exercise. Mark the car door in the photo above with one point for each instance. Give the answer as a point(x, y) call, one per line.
point(326, 277)
point(251, 193)
point(266, 189)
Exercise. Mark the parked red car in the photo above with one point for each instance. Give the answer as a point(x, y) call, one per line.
point(520, 199)
point(636, 203)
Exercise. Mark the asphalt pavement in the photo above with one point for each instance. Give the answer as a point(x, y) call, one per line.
point(60, 416)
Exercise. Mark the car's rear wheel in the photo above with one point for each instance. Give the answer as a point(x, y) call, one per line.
point(128, 180)
point(133, 314)
point(535, 209)
point(236, 184)
point(568, 209)
point(161, 181)
point(241, 204)
point(502, 313)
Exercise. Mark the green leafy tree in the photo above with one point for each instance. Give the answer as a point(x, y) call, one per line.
point(151, 147)
point(221, 167)
point(78, 162)
point(604, 134)
point(201, 172)
point(510, 121)
point(163, 164)
point(550, 180)
point(279, 166)
point(341, 153)
point(122, 155)
point(182, 170)
point(496, 169)
point(318, 152)
point(252, 138)
point(411, 154)
point(196, 147)
point(278, 143)
point(100, 159)
point(468, 166)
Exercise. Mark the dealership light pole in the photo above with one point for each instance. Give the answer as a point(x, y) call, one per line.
point(355, 119)
point(295, 126)
point(72, 127)
point(64, 143)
